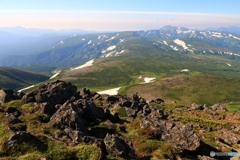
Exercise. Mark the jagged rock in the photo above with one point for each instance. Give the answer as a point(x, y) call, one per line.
point(131, 112)
point(97, 96)
point(142, 100)
point(85, 91)
point(45, 108)
point(12, 119)
point(134, 97)
point(7, 95)
point(56, 92)
point(20, 94)
point(210, 111)
point(68, 116)
point(12, 110)
point(149, 101)
point(179, 135)
point(219, 107)
point(205, 158)
point(113, 117)
point(15, 138)
point(122, 129)
point(222, 143)
point(119, 146)
point(108, 123)
point(76, 136)
point(2, 109)
point(229, 136)
point(91, 111)
point(195, 106)
point(159, 101)
point(126, 103)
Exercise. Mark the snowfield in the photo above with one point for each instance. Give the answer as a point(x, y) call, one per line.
point(110, 38)
point(87, 64)
point(25, 88)
point(109, 49)
point(113, 91)
point(180, 43)
point(89, 42)
point(184, 70)
point(147, 80)
point(55, 75)
point(165, 42)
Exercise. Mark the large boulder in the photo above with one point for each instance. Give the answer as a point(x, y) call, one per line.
point(69, 116)
point(56, 92)
point(91, 111)
point(195, 106)
point(182, 137)
point(45, 108)
point(15, 138)
point(12, 119)
point(119, 146)
point(7, 95)
point(229, 137)
point(219, 107)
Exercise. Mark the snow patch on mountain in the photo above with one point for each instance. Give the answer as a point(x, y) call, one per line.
point(184, 70)
point(180, 43)
point(89, 42)
point(87, 64)
point(110, 38)
point(121, 40)
point(165, 42)
point(109, 49)
point(118, 53)
point(55, 75)
point(26, 88)
point(148, 80)
point(113, 91)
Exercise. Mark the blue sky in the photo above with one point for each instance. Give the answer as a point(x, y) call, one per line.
point(104, 15)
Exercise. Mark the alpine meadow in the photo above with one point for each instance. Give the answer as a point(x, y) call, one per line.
point(116, 80)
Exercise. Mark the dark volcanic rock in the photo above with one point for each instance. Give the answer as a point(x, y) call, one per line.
point(69, 116)
point(209, 110)
point(119, 146)
point(219, 107)
point(179, 135)
point(15, 138)
point(91, 111)
point(12, 119)
point(230, 137)
point(7, 95)
point(45, 108)
point(195, 106)
point(56, 92)
point(12, 110)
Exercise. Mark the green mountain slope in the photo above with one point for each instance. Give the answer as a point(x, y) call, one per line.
point(42, 69)
point(16, 79)
point(71, 51)
point(142, 57)
point(188, 89)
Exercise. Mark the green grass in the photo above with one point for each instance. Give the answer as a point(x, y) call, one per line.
point(233, 106)
point(122, 111)
point(208, 124)
point(17, 79)
point(14, 103)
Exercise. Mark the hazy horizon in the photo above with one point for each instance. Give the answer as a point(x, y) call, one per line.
point(118, 16)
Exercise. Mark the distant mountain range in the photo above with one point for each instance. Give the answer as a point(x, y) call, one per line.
point(69, 51)
point(34, 32)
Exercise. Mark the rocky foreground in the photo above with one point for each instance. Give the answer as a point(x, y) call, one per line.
point(54, 121)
